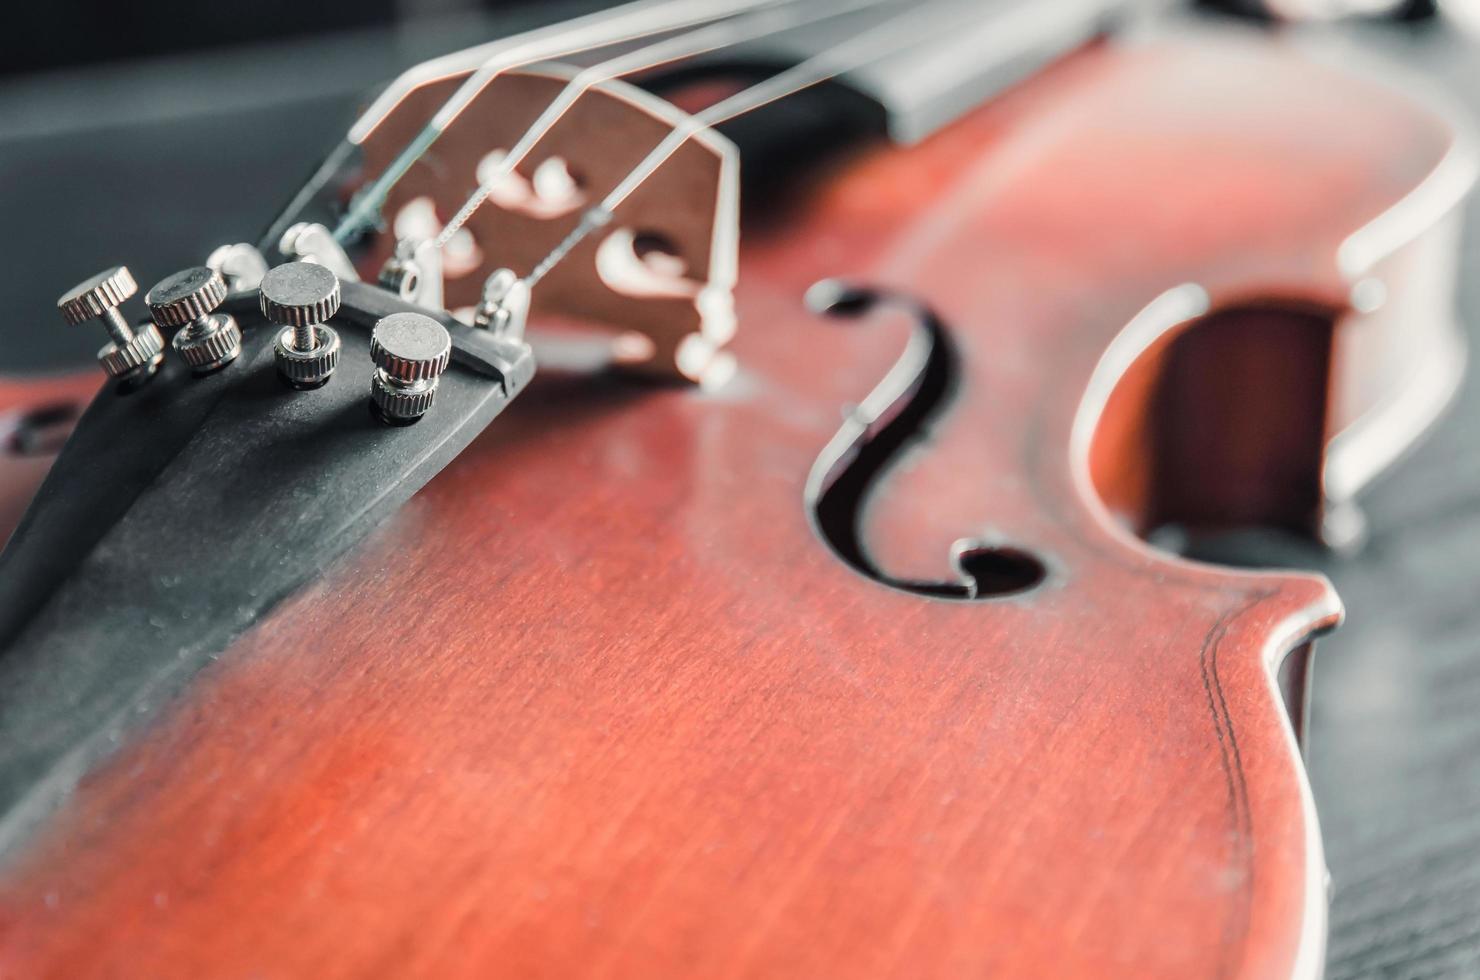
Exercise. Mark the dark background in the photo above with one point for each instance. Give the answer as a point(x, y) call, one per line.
point(80, 32)
point(151, 138)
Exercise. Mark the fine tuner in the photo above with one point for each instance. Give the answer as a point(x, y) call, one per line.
point(410, 350)
point(131, 355)
point(188, 299)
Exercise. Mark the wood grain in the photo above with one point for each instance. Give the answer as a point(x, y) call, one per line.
point(597, 702)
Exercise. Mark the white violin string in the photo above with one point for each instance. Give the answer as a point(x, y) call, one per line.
point(788, 15)
point(888, 37)
point(632, 21)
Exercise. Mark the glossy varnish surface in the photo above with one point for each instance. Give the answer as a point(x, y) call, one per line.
point(598, 702)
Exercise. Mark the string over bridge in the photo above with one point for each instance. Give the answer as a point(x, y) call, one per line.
point(658, 273)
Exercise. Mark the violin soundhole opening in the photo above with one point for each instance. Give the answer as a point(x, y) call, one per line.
point(899, 411)
point(1221, 426)
point(988, 571)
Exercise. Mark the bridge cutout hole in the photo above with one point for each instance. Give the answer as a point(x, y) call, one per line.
point(418, 219)
point(552, 190)
point(644, 263)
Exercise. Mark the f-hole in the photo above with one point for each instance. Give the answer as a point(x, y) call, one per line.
point(900, 409)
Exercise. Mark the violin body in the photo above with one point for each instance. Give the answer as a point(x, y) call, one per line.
point(604, 699)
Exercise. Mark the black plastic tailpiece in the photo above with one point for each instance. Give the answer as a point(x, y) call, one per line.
point(180, 513)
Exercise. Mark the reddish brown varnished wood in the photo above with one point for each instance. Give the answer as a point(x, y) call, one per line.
point(599, 703)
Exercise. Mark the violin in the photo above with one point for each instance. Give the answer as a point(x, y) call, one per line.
point(712, 488)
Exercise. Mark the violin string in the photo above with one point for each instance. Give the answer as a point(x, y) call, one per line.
point(788, 15)
point(629, 22)
point(891, 36)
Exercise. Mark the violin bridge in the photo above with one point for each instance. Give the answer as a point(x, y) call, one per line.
point(658, 277)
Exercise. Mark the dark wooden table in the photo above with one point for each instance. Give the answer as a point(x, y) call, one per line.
point(138, 174)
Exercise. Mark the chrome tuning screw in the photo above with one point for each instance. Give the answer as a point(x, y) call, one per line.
point(410, 351)
point(300, 296)
point(131, 355)
point(207, 340)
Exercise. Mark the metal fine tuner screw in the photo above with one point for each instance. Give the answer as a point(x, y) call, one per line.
point(300, 296)
point(131, 355)
point(410, 351)
point(207, 340)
